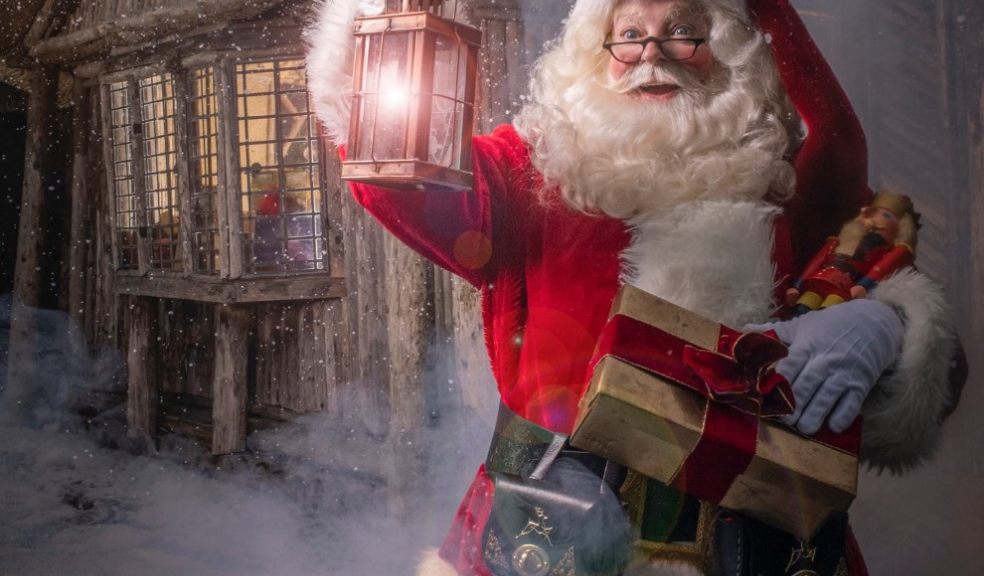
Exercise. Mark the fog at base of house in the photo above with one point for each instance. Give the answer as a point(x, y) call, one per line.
point(78, 497)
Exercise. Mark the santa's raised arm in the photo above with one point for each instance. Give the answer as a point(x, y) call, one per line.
point(701, 150)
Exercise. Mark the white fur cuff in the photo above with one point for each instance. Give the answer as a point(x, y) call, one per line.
point(329, 62)
point(903, 413)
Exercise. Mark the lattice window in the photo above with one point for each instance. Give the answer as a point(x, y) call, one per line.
point(216, 171)
point(128, 216)
point(279, 169)
point(160, 171)
point(204, 158)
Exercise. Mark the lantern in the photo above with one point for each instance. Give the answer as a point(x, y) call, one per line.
point(414, 101)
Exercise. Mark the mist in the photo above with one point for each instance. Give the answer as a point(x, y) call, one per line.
point(78, 497)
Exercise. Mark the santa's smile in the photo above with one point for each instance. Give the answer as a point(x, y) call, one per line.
point(657, 91)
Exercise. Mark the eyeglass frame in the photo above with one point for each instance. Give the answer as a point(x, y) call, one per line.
point(697, 42)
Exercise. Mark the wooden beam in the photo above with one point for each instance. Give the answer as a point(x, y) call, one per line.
point(182, 153)
point(206, 289)
point(143, 385)
point(229, 387)
point(88, 42)
point(82, 209)
point(27, 296)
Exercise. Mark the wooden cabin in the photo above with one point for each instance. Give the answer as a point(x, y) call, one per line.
point(206, 233)
point(177, 201)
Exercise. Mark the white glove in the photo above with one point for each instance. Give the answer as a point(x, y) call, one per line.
point(836, 355)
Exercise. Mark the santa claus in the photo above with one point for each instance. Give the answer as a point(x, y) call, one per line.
point(701, 150)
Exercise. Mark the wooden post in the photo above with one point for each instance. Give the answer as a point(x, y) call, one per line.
point(143, 380)
point(229, 387)
point(502, 76)
point(961, 22)
point(38, 167)
point(83, 223)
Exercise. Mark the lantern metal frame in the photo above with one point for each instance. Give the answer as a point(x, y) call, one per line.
point(413, 170)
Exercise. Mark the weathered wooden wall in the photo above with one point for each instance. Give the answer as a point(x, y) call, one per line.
point(962, 31)
point(504, 74)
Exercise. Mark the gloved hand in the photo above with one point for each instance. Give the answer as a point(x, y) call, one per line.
point(836, 356)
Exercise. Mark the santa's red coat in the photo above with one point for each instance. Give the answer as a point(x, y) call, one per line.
point(548, 274)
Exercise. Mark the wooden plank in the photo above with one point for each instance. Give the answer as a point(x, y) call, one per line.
point(244, 290)
point(142, 370)
point(141, 27)
point(109, 170)
point(331, 209)
point(230, 387)
point(81, 213)
point(230, 199)
point(38, 164)
point(28, 285)
point(181, 115)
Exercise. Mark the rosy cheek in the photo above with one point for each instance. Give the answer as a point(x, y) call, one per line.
point(702, 62)
point(616, 69)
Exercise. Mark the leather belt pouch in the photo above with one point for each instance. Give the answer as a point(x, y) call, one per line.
point(569, 523)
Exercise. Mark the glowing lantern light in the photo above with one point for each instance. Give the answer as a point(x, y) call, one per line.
point(414, 101)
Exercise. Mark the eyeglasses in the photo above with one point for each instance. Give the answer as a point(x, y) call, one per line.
point(630, 51)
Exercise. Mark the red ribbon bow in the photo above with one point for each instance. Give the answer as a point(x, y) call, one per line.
point(744, 375)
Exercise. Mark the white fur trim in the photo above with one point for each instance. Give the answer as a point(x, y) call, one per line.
point(329, 62)
point(431, 564)
point(903, 413)
point(713, 258)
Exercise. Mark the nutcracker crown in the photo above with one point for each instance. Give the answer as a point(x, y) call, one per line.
point(899, 204)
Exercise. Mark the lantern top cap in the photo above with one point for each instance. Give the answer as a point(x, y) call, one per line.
point(396, 6)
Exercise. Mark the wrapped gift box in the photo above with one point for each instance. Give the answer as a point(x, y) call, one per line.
point(645, 409)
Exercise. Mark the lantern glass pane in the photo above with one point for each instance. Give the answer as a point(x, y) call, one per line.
point(385, 96)
point(446, 55)
point(445, 132)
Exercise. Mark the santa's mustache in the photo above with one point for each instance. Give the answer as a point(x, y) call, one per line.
point(663, 73)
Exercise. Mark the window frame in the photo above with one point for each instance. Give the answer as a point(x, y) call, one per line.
point(230, 283)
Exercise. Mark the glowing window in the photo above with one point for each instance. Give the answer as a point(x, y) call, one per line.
point(128, 217)
point(280, 173)
point(160, 172)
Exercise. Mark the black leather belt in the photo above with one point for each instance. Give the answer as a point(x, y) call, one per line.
point(524, 449)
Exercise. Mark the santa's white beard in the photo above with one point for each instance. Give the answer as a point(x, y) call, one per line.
point(691, 175)
point(610, 151)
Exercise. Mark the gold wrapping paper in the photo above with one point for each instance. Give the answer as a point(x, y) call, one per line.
point(651, 425)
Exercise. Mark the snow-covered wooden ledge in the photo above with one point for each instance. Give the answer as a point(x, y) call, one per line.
point(98, 37)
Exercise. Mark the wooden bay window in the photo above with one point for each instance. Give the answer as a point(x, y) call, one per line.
point(216, 173)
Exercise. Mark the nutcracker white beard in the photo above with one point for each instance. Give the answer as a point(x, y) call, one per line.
point(724, 137)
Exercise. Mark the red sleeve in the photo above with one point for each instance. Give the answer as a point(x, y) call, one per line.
point(454, 229)
point(832, 163)
point(897, 258)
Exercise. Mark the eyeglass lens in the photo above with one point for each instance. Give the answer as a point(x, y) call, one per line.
point(631, 52)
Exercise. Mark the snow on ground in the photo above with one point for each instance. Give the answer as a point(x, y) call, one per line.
point(77, 498)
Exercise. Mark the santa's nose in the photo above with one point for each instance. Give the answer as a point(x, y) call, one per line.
point(651, 53)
